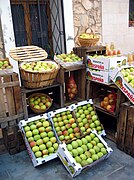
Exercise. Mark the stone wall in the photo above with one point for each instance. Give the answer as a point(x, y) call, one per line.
point(87, 15)
point(1, 43)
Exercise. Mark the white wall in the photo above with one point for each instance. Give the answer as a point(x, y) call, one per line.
point(115, 15)
point(7, 29)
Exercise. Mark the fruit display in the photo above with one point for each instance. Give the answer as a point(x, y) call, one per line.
point(65, 125)
point(109, 102)
point(5, 64)
point(71, 87)
point(84, 152)
point(87, 118)
point(39, 66)
point(39, 102)
point(87, 149)
point(70, 57)
point(128, 74)
point(41, 138)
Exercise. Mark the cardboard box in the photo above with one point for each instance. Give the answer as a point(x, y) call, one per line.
point(122, 84)
point(40, 160)
point(70, 163)
point(98, 76)
point(105, 63)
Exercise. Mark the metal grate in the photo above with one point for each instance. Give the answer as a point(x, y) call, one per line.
point(40, 23)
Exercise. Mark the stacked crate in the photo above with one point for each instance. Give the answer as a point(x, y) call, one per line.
point(11, 112)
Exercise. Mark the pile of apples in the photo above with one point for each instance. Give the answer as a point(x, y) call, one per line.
point(39, 66)
point(109, 102)
point(5, 65)
point(87, 119)
point(41, 138)
point(40, 102)
point(128, 74)
point(71, 57)
point(87, 149)
point(66, 126)
point(89, 36)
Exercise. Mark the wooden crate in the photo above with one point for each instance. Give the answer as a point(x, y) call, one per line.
point(125, 129)
point(84, 51)
point(13, 140)
point(79, 72)
point(54, 91)
point(10, 100)
point(97, 91)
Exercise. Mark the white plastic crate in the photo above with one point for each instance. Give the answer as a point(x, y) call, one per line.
point(70, 163)
point(40, 160)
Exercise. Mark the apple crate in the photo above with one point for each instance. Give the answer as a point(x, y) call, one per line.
point(10, 99)
point(122, 81)
point(98, 76)
point(5, 67)
point(125, 128)
point(79, 74)
point(87, 118)
point(105, 63)
point(65, 124)
point(77, 157)
point(40, 139)
point(84, 51)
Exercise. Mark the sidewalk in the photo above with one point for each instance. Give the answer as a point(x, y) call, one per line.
point(119, 166)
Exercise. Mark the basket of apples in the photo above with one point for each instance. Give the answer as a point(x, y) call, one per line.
point(5, 66)
point(39, 102)
point(88, 39)
point(36, 74)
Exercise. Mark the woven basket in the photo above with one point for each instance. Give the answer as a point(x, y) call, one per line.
point(39, 79)
point(38, 111)
point(88, 41)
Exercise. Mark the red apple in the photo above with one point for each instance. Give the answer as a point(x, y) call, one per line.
point(32, 144)
point(76, 129)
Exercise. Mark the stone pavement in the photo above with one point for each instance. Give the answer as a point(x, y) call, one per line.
point(119, 166)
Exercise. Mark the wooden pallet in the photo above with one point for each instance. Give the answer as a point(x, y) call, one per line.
point(84, 51)
point(10, 100)
point(125, 129)
point(28, 53)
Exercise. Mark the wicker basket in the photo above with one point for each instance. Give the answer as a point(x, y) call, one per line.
point(38, 111)
point(88, 41)
point(39, 79)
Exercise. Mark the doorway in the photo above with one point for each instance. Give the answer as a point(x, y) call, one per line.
point(40, 23)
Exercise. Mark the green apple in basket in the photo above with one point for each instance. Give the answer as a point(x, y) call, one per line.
point(39, 66)
point(40, 101)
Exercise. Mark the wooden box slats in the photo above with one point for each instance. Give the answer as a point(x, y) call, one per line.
point(10, 98)
point(125, 129)
point(28, 53)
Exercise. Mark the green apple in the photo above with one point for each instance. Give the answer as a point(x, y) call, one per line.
point(49, 144)
point(39, 142)
point(55, 145)
point(45, 123)
point(41, 129)
point(36, 137)
point(50, 150)
point(100, 145)
point(69, 147)
point(35, 131)
point(50, 134)
point(84, 163)
point(61, 138)
point(96, 139)
point(80, 150)
point(53, 139)
point(99, 154)
point(84, 141)
point(30, 139)
point(43, 134)
point(28, 134)
point(94, 157)
point(27, 128)
point(79, 142)
point(94, 117)
point(46, 139)
point(74, 152)
point(92, 151)
point(88, 154)
point(84, 147)
point(83, 157)
point(42, 147)
point(39, 124)
point(74, 144)
point(89, 160)
point(78, 159)
point(90, 146)
point(38, 154)
point(96, 148)
point(35, 148)
point(103, 150)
